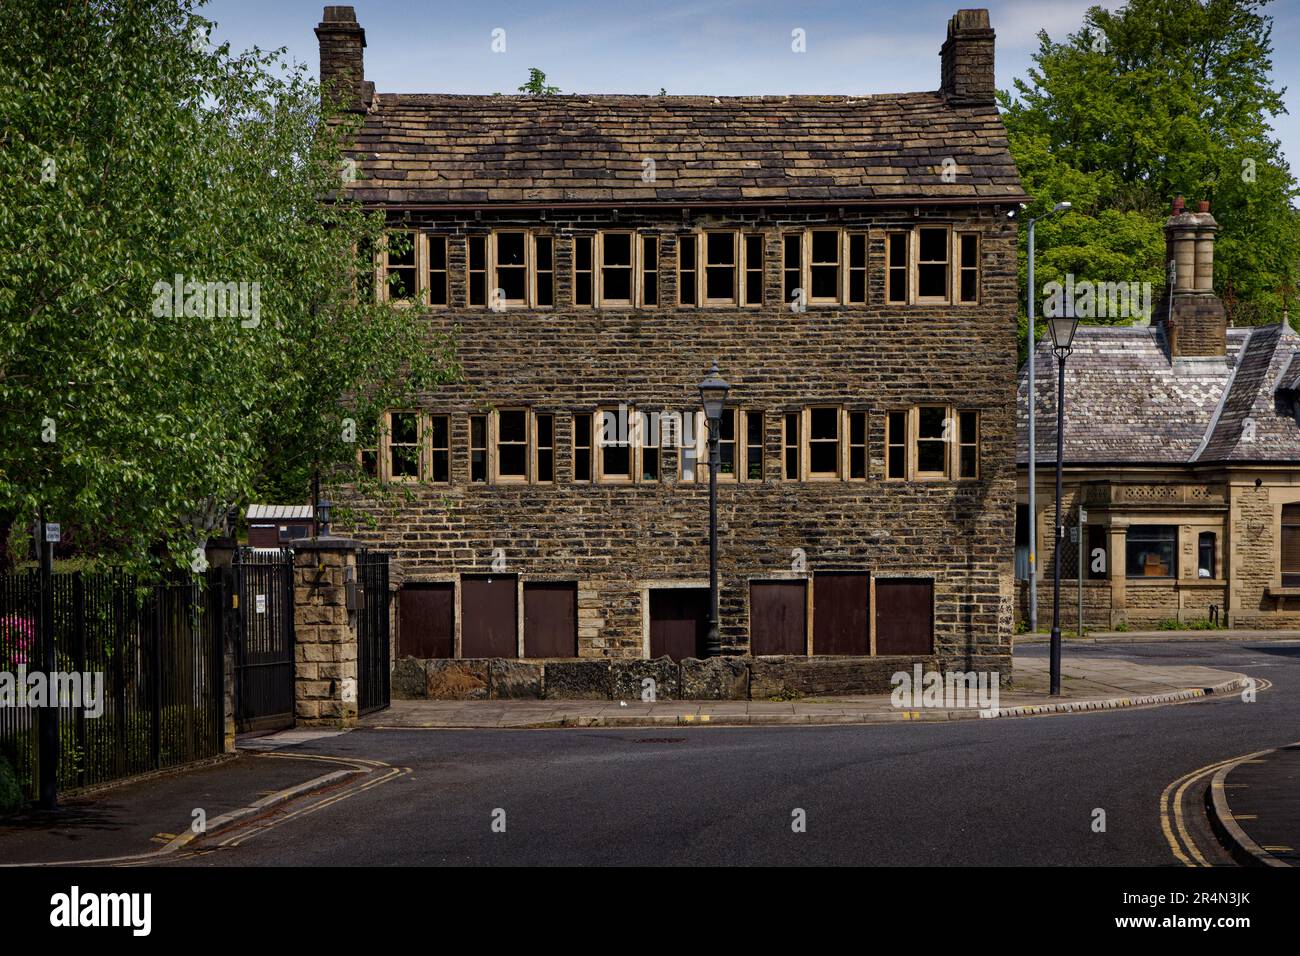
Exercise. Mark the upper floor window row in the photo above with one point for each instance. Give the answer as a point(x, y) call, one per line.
point(513, 268)
point(624, 445)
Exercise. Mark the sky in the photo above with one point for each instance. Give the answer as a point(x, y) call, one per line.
point(720, 47)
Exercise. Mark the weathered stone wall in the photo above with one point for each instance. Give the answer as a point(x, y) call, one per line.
point(325, 635)
point(610, 538)
point(1096, 604)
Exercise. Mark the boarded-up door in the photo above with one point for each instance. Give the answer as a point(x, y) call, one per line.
point(840, 613)
point(426, 621)
point(778, 617)
point(679, 622)
point(904, 616)
point(489, 616)
point(550, 619)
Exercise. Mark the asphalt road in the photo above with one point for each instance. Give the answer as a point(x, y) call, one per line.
point(1011, 791)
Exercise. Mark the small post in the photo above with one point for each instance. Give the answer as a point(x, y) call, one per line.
point(1083, 516)
point(48, 743)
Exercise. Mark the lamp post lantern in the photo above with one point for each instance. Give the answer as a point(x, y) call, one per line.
point(1062, 331)
point(713, 396)
point(1033, 450)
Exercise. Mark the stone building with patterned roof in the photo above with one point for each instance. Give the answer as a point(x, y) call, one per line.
point(846, 260)
point(1182, 445)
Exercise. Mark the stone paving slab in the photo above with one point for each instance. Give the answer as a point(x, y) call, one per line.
point(1086, 685)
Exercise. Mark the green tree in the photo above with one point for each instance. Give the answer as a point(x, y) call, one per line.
point(134, 152)
point(1158, 99)
point(537, 85)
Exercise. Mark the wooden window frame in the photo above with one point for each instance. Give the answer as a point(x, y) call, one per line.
point(892, 266)
point(747, 271)
point(433, 449)
point(416, 267)
point(742, 439)
point(702, 247)
point(962, 267)
point(429, 270)
point(849, 269)
point(534, 270)
point(494, 448)
point(643, 437)
point(598, 449)
point(599, 266)
point(808, 264)
point(486, 448)
point(902, 441)
point(796, 270)
point(808, 441)
point(914, 453)
point(589, 448)
point(494, 267)
point(537, 448)
point(915, 276)
point(1287, 577)
point(484, 274)
point(850, 444)
point(643, 271)
point(585, 278)
point(688, 265)
point(959, 444)
point(699, 448)
point(388, 445)
point(791, 451)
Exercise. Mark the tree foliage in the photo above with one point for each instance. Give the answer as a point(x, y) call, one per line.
point(133, 152)
point(1158, 99)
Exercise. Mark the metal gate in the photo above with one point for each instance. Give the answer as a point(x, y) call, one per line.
point(263, 582)
point(372, 632)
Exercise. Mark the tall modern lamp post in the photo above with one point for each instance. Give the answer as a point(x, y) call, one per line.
point(713, 396)
point(1062, 331)
point(1033, 450)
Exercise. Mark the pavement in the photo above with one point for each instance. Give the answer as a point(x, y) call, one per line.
point(1149, 637)
point(152, 815)
point(1254, 804)
point(1086, 684)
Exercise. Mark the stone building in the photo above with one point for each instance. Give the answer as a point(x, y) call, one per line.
point(1182, 446)
point(846, 260)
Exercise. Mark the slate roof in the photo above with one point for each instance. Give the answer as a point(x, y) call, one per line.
point(1126, 403)
point(435, 149)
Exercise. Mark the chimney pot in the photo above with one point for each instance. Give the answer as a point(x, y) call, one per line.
point(1203, 206)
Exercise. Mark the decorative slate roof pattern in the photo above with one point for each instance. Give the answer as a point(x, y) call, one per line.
point(1256, 424)
point(451, 149)
point(1126, 403)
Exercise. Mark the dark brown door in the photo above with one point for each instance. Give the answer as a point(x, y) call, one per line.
point(489, 616)
point(550, 619)
point(904, 616)
point(679, 622)
point(840, 607)
point(778, 617)
point(426, 621)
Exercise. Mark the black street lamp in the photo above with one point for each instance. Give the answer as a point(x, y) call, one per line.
point(713, 395)
point(1062, 331)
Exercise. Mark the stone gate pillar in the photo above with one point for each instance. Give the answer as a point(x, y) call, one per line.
point(325, 633)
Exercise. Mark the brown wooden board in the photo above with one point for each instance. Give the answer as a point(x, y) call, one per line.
point(489, 616)
point(550, 619)
point(904, 616)
point(841, 602)
point(679, 622)
point(778, 617)
point(426, 620)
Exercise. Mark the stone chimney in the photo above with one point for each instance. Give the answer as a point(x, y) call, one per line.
point(342, 60)
point(967, 59)
point(1196, 325)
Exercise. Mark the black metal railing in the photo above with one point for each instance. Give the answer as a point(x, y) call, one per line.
point(372, 631)
point(146, 658)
